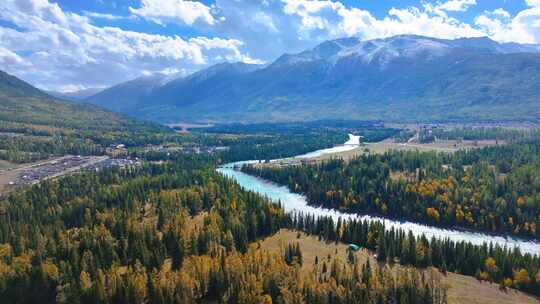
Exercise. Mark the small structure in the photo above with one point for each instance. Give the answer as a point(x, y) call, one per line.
point(354, 247)
point(116, 150)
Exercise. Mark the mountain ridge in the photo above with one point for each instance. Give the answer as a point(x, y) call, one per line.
point(404, 77)
point(23, 104)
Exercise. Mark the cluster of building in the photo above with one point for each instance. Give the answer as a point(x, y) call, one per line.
point(195, 149)
point(70, 164)
point(116, 150)
point(116, 156)
point(53, 168)
point(114, 162)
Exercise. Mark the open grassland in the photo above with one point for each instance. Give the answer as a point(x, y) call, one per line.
point(5, 165)
point(461, 289)
point(389, 145)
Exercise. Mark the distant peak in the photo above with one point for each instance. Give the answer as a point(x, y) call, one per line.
point(382, 51)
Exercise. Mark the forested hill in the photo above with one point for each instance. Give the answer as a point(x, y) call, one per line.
point(20, 102)
point(34, 125)
point(14, 87)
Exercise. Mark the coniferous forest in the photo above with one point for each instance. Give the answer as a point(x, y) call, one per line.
point(129, 236)
point(269, 152)
point(173, 230)
point(494, 189)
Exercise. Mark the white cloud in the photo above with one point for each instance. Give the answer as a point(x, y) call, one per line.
point(174, 71)
point(533, 3)
point(106, 16)
point(11, 59)
point(456, 5)
point(408, 21)
point(69, 88)
point(270, 28)
point(65, 48)
point(501, 13)
point(178, 11)
point(524, 27)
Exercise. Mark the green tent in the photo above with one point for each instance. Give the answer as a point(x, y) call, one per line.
point(354, 247)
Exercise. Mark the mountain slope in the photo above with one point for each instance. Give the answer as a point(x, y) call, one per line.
point(399, 78)
point(34, 125)
point(126, 96)
point(22, 103)
point(14, 87)
point(135, 96)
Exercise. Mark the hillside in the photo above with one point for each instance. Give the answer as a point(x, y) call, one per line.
point(402, 78)
point(461, 289)
point(22, 103)
point(127, 96)
point(34, 125)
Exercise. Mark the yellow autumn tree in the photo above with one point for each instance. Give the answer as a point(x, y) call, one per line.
point(433, 213)
point(85, 281)
point(491, 267)
point(521, 277)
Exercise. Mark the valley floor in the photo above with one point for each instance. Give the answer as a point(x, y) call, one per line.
point(387, 145)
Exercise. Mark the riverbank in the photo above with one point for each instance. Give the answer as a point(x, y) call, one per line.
point(293, 202)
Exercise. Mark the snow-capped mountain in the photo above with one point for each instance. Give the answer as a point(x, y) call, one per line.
point(401, 77)
point(384, 51)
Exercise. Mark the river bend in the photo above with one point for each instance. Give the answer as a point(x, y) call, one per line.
point(293, 202)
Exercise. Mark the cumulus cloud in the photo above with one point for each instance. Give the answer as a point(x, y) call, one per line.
point(533, 3)
point(524, 27)
point(456, 5)
point(106, 16)
point(52, 48)
point(178, 11)
point(500, 13)
point(68, 88)
point(294, 25)
point(9, 59)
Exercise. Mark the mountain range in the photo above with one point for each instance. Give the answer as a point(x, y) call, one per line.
point(401, 78)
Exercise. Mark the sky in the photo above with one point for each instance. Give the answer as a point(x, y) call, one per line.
point(70, 45)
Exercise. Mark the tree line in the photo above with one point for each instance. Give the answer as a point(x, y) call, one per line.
point(494, 189)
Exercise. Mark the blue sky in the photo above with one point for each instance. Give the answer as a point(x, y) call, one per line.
point(69, 45)
point(378, 8)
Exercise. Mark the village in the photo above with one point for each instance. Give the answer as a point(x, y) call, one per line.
point(116, 155)
point(57, 167)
